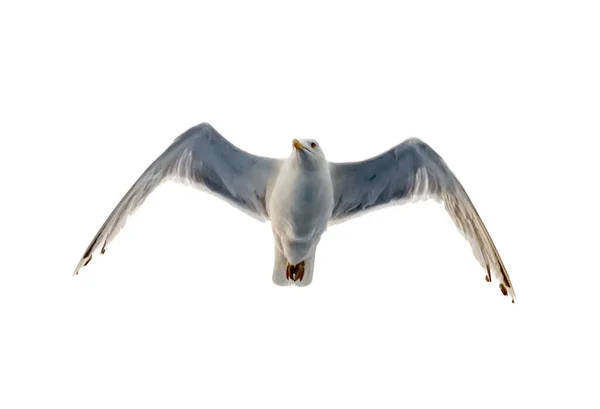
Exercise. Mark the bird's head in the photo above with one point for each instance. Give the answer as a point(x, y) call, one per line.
point(308, 153)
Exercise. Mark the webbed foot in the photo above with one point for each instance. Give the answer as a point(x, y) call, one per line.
point(294, 272)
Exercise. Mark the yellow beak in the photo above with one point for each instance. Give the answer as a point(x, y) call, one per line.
point(296, 144)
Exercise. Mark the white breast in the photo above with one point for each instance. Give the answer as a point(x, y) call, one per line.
point(299, 208)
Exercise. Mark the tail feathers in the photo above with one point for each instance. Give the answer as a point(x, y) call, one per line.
point(280, 271)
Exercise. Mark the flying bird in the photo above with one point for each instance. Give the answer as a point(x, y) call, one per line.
point(304, 193)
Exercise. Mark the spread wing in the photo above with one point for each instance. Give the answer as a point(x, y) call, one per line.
point(200, 157)
point(412, 171)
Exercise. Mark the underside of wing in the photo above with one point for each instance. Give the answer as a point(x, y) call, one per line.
point(412, 171)
point(202, 158)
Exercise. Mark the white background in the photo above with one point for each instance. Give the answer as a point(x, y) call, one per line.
point(181, 311)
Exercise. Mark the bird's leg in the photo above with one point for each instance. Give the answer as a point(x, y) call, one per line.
point(300, 271)
point(294, 272)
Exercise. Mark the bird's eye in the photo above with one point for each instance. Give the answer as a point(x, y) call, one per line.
point(313, 145)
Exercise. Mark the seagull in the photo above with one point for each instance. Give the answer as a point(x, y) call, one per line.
point(304, 193)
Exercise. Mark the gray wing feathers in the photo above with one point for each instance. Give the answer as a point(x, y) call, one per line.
point(414, 171)
point(204, 159)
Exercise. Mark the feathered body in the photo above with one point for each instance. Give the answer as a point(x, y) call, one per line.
point(300, 207)
point(304, 193)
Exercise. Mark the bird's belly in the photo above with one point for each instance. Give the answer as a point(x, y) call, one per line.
point(299, 211)
point(296, 251)
point(297, 232)
point(302, 219)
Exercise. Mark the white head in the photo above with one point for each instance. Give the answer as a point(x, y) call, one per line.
point(308, 153)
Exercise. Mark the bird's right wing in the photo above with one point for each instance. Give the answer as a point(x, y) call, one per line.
point(200, 157)
point(410, 171)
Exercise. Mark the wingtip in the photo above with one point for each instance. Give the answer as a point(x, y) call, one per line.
point(508, 291)
point(82, 263)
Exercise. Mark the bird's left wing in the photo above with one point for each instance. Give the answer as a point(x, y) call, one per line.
point(200, 157)
point(412, 171)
